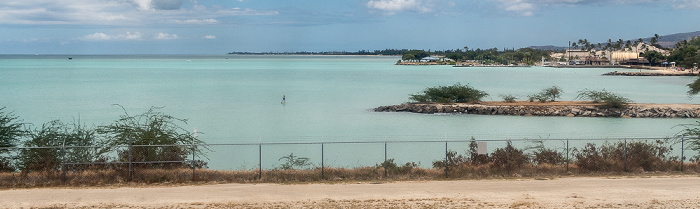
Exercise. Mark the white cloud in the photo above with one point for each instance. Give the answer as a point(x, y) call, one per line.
point(115, 12)
point(529, 7)
point(165, 36)
point(197, 21)
point(393, 6)
point(519, 6)
point(209, 37)
point(157, 4)
point(686, 4)
point(106, 37)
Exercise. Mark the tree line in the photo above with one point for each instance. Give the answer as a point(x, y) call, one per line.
point(685, 53)
point(387, 52)
point(528, 56)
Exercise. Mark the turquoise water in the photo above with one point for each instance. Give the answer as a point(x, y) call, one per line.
point(236, 99)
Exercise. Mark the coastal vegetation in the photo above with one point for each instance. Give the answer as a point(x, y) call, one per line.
point(158, 135)
point(11, 130)
point(548, 94)
point(414, 55)
point(456, 93)
point(619, 156)
point(508, 160)
point(386, 52)
point(610, 100)
point(509, 98)
point(686, 53)
point(523, 56)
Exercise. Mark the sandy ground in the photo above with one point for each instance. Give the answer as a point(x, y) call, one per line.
point(565, 192)
point(668, 70)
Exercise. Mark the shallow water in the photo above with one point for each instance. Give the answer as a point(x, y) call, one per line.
point(237, 99)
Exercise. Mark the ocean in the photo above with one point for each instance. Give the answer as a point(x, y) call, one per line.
point(237, 98)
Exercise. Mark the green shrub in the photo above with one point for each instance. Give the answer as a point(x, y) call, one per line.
point(151, 128)
point(393, 168)
point(610, 100)
point(509, 98)
point(11, 130)
point(449, 94)
point(56, 134)
point(537, 97)
point(509, 155)
point(548, 94)
point(552, 93)
point(543, 155)
point(633, 155)
point(452, 161)
point(292, 162)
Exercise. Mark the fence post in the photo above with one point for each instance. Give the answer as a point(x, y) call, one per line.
point(385, 163)
point(625, 160)
point(131, 169)
point(682, 156)
point(447, 161)
point(63, 162)
point(193, 149)
point(260, 161)
point(508, 158)
point(322, 165)
point(567, 155)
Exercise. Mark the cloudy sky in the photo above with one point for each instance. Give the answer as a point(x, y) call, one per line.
point(221, 26)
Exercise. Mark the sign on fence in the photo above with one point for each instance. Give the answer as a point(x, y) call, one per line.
point(481, 148)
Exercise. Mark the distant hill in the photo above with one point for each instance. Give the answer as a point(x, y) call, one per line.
point(671, 40)
point(665, 41)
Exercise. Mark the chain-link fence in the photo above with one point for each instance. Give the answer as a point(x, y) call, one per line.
point(309, 161)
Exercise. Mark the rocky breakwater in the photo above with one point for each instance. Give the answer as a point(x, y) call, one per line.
point(651, 73)
point(542, 109)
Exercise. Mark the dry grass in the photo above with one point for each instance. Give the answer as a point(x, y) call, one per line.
point(117, 177)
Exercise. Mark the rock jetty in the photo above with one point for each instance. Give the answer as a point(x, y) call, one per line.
point(537, 109)
point(650, 74)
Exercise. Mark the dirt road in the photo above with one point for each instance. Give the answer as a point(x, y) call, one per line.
point(565, 192)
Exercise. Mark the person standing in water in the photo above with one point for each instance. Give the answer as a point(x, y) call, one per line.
point(284, 98)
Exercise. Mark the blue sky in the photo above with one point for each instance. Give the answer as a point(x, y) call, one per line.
point(221, 26)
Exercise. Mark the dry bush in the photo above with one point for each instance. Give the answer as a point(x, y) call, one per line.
point(631, 156)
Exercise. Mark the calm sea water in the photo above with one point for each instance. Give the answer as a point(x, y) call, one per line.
point(236, 99)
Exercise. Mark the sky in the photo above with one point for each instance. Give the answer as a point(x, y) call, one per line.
point(222, 26)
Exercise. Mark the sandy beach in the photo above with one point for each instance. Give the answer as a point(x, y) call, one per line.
point(563, 192)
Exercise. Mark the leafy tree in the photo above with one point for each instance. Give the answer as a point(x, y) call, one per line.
point(455, 56)
point(692, 133)
point(416, 55)
point(653, 56)
point(11, 130)
point(694, 87)
point(151, 128)
point(686, 53)
point(407, 56)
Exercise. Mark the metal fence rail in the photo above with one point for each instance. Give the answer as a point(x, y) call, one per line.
point(319, 156)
